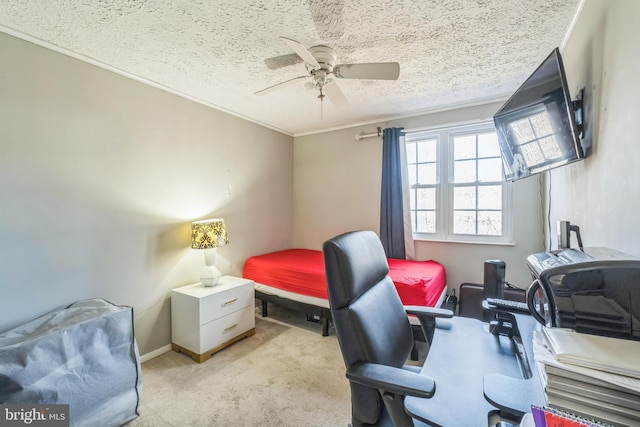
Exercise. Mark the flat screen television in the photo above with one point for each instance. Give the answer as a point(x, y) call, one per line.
point(539, 127)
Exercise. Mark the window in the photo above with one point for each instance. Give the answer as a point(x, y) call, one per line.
point(456, 186)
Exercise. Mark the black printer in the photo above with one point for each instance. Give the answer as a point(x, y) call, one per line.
point(595, 291)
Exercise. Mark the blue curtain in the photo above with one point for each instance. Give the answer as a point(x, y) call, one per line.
point(391, 213)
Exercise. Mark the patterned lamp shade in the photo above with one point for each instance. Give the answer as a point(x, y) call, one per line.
point(209, 233)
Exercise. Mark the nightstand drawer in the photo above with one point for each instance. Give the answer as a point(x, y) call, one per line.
point(226, 328)
point(223, 303)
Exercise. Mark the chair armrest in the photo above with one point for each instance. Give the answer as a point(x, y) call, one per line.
point(395, 380)
point(418, 310)
point(427, 317)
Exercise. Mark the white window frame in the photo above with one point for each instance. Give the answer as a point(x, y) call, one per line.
point(444, 186)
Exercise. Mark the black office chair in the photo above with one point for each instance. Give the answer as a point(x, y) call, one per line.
point(373, 330)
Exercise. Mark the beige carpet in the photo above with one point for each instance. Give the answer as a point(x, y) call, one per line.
point(287, 374)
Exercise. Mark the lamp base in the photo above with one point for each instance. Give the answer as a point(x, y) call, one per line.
point(210, 276)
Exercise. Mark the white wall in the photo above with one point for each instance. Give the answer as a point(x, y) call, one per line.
point(602, 193)
point(100, 177)
point(337, 189)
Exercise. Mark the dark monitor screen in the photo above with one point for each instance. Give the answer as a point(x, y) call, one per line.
point(536, 127)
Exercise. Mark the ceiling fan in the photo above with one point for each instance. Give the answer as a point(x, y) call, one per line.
point(321, 64)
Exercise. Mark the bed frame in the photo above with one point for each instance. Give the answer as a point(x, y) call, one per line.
point(316, 313)
point(324, 314)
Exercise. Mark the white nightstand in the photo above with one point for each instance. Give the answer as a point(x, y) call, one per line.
point(205, 320)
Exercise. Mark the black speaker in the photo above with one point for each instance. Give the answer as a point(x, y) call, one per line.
point(494, 272)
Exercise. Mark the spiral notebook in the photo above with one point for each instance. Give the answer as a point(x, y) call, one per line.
point(550, 417)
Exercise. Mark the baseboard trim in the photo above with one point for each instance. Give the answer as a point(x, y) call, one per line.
point(155, 353)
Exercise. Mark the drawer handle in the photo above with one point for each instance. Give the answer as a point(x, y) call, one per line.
point(231, 301)
point(230, 328)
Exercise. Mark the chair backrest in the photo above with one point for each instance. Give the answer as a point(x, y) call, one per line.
point(370, 321)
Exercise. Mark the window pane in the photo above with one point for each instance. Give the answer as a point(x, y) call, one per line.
point(426, 222)
point(464, 171)
point(464, 222)
point(464, 198)
point(464, 147)
point(489, 223)
point(411, 152)
point(427, 151)
point(412, 199)
point(488, 145)
point(426, 198)
point(411, 174)
point(427, 173)
point(490, 197)
point(490, 169)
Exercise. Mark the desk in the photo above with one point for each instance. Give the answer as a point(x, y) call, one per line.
point(473, 368)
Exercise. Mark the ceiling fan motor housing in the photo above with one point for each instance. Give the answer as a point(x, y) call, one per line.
point(325, 56)
point(327, 59)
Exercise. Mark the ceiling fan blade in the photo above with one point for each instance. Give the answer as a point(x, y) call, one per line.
point(301, 51)
point(280, 85)
point(376, 71)
point(334, 93)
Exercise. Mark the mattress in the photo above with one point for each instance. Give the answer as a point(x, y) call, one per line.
point(301, 271)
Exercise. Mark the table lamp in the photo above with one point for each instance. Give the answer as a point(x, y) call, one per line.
point(209, 234)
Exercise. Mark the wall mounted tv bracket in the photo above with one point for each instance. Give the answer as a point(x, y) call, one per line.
point(577, 112)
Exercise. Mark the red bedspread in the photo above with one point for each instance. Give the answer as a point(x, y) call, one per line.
point(301, 271)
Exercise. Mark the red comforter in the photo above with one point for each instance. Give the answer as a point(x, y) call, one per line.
point(301, 271)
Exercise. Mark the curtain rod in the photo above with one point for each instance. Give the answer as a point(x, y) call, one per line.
point(361, 135)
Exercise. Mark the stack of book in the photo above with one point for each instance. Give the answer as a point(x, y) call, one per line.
point(590, 376)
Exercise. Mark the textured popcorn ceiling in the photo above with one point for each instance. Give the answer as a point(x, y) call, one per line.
point(451, 52)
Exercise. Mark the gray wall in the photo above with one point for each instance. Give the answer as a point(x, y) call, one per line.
point(602, 193)
point(100, 177)
point(337, 189)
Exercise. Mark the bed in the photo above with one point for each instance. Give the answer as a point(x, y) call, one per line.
point(295, 278)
